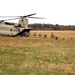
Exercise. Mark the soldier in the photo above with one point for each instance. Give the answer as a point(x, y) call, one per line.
point(63, 39)
point(40, 35)
point(45, 35)
point(34, 34)
point(52, 35)
point(56, 38)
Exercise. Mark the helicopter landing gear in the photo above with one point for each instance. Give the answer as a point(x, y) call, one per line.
point(26, 34)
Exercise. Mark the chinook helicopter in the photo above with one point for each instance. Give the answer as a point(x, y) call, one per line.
point(19, 29)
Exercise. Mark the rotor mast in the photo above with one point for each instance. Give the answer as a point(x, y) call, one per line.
point(24, 22)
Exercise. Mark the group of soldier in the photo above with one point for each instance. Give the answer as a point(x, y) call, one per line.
point(45, 35)
point(40, 35)
point(52, 36)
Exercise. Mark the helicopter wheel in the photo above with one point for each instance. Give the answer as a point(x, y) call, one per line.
point(27, 34)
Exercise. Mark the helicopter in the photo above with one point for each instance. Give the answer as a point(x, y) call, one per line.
point(16, 29)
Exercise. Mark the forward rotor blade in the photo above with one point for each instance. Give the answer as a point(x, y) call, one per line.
point(8, 19)
point(8, 16)
point(1, 21)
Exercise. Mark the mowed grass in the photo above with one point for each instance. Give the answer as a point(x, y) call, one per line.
point(38, 55)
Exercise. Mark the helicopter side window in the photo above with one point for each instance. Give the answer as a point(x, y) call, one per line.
point(10, 29)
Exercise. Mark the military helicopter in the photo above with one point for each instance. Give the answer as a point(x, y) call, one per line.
point(16, 29)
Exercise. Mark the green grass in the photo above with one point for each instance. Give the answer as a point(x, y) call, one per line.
point(37, 56)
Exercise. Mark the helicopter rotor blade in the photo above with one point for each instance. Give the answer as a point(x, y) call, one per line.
point(8, 16)
point(18, 17)
point(28, 15)
point(8, 19)
point(11, 19)
point(1, 21)
point(37, 17)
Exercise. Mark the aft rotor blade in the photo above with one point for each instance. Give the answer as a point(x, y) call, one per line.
point(29, 15)
point(37, 17)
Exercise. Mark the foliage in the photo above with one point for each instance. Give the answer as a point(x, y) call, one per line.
point(39, 26)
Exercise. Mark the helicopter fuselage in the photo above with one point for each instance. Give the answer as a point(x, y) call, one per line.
point(9, 29)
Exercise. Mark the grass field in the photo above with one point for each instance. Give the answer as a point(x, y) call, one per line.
point(38, 55)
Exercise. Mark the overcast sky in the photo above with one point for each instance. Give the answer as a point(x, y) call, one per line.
point(55, 11)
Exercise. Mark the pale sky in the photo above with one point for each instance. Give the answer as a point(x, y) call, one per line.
point(55, 11)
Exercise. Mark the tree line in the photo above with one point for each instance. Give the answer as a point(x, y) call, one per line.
point(39, 26)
